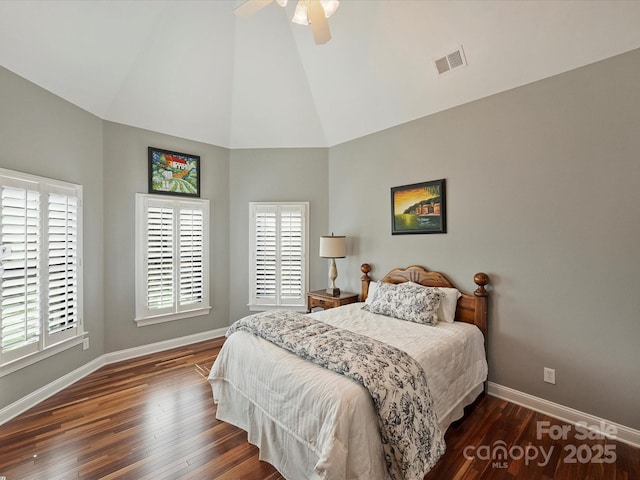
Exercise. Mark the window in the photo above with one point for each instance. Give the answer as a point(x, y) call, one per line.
point(172, 265)
point(278, 255)
point(41, 268)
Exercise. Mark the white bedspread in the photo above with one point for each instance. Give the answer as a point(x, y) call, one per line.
point(325, 426)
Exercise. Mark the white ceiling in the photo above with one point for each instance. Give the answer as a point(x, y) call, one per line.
point(192, 69)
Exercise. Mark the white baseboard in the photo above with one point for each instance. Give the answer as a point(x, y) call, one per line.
point(569, 415)
point(34, 398)
point(135, 352)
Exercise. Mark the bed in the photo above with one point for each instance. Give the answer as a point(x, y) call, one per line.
point(313, 423)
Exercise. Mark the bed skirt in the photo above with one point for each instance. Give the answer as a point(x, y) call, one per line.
point(280, 447)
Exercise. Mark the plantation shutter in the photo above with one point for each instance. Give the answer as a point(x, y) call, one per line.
point(21, 301)
point(266, 255)
point(40, 268)
point(291, 255)
point(191, 257)
point(62, 265)
point(159, 266)
point(171, 258)
point(278, 257)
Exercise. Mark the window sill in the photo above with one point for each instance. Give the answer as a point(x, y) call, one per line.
point(41, 355)
point(265, 308)
point(169, 317)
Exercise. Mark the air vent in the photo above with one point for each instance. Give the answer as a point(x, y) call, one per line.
point(450, 61)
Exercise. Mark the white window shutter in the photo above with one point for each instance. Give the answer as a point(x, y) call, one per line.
point(278, 272)
point(40, 272)
point(291, 255)
point(159, 277)
point(266, 255)
point(63, 236)
point(172, 271)
point(20, 285)
point(192, 255)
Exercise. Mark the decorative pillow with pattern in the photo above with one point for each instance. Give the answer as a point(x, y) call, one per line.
point(412, 303)
point(448, 302)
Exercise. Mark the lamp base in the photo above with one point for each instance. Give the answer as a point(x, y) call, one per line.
point(334, 292)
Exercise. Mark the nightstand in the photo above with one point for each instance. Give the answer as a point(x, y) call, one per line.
point(322, 299)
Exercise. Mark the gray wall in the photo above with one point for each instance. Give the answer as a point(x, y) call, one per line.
point(125, 173)
point(543, 192)
point(275, 175)
point(44, 135)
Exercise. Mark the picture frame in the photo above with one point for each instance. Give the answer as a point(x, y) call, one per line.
point(173, 173)
point(419, 208)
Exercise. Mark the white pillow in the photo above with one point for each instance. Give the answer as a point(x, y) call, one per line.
point(448, 302)
point(373, 288)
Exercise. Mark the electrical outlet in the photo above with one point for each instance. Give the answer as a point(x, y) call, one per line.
point(85, 344)
point(550, 375)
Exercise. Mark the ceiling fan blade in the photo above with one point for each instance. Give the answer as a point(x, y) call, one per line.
point(250, 7)
point(318, 21)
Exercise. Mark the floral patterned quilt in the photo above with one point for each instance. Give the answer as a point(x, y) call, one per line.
point(409, 431)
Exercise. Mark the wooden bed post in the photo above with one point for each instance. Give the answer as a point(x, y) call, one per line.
point(482, 314)
point(365, 279)
point(482, 304)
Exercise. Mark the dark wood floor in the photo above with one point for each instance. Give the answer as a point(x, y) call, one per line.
point(154, 418)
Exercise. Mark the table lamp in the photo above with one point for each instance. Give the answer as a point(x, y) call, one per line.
point(333, 247)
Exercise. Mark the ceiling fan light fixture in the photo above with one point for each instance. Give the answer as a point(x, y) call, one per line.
point(282, 3)
point(329, 7)
point(301, 15)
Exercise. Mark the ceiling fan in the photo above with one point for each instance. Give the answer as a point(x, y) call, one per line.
point(308, 12)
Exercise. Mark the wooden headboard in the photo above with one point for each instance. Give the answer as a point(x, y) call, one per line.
point(471, 308)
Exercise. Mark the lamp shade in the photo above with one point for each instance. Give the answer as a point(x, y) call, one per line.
point(333, 247)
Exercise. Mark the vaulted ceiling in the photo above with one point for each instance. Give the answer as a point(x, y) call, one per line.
point(192, 69)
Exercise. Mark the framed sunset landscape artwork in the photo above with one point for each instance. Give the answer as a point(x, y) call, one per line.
point(174, 173)
point(419, 208)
